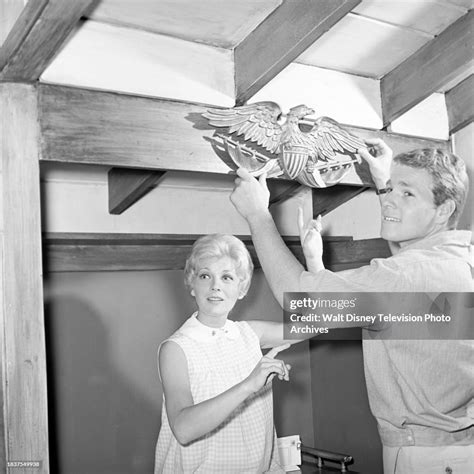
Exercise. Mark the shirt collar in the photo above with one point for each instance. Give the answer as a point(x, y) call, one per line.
point(198, 331)
point(458, 241)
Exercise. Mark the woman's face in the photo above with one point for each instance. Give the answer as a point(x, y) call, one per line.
point(216, 288)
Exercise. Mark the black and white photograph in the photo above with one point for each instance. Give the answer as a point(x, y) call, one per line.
point(236, 236)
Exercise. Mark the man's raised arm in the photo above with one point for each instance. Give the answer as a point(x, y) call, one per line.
point(281, 268)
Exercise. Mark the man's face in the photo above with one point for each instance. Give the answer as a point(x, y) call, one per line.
point(408, 211)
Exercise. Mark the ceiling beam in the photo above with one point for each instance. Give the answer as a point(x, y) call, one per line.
point(82, 126)
point(12, 10)
point(104, 128)
point(126, 186)
point(37, 35)
point(427, 70)
point(460, 104)
point(280, 39)
point(112, 252)
point(399, 142)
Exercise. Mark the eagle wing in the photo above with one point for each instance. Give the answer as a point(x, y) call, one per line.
point(328, 139)
point(256, 122)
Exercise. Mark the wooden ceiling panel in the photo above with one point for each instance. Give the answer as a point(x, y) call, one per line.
point(363, 46)
point(107, 57)
point(349, 99)
point(222, 23)
point(467, 4)
point(429, 16)
point(414, 121)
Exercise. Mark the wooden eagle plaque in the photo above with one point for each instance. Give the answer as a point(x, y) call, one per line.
point(317, 153)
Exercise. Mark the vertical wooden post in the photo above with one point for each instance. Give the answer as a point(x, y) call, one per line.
point(23, 356)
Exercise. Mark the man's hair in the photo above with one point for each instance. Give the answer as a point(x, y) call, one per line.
point(219, 246)
point(450, 180)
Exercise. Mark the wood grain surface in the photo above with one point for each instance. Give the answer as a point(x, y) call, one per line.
point(280, 39)
point(24, 366)
point(83, 126)
point(426, 71)
point(37, 36)
point(460, 104)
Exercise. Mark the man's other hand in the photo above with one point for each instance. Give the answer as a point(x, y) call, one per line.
point(379, 158)
point(311, 241)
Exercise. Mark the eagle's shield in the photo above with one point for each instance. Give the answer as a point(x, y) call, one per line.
point(294, 159)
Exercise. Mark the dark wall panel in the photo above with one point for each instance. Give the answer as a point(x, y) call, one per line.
point(103, 331)
point(342, 419)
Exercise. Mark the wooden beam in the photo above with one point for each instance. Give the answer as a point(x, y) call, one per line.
point(82, 126)
point(281, 38)
point(21, 311)
point(110, 252)
point(398, 142)
point(38, 34)
point(127, 186)
point(354, 253)
point(3, 421)
point(426, 71)
point(11, 11)
point(326, 200)
point(460, 104)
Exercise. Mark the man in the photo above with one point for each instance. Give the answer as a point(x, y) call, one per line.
point(420, 392)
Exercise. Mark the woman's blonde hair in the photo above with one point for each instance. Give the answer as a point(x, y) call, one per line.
point(218, 246)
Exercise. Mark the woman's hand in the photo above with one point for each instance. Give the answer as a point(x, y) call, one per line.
point(311, 241)
point(267, 368)
point(379, 158)
point(190, 421)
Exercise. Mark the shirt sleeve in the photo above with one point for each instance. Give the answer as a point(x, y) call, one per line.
point(383, 274)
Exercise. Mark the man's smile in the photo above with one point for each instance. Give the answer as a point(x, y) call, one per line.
point(391, 219)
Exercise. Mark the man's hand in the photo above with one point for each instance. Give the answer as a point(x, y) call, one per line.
point(250, 197)
point(379, 158)
point(311, 241)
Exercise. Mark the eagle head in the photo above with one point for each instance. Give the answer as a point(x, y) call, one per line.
point(301, 111)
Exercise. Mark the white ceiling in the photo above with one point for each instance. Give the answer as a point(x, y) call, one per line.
point(146, 46)
point(221, 23)
point(430, 17)
point(378, 35)
point(370, 41)
point(362, 46)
